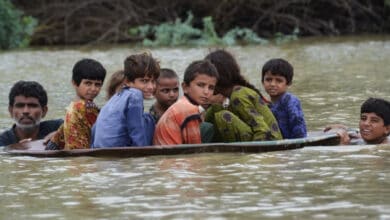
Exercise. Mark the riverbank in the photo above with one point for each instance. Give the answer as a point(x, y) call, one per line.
point(110, 21)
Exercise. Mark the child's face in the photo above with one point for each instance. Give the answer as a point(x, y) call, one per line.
point(88, 89)
point(201, 88)
point(167, 91)
point(372, 128)
point(146, 84)
point(275, 85)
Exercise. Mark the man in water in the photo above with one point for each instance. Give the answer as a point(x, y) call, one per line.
point(27, 106)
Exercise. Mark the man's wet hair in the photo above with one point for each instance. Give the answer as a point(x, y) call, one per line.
point(28, 89)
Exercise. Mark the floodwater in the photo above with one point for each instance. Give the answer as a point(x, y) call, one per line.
point(333, 76)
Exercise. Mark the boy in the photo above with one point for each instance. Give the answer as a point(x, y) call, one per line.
point(122, 121)
point(374, 124)
point(27, 106)
point(180, 124)
point(276, 76)
point(87, 79)
point(167, 92)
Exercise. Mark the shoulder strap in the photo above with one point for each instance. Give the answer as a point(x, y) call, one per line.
point(186, 121)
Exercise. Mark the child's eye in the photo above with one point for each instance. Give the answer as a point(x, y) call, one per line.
point(201, 85)
point(375, 120)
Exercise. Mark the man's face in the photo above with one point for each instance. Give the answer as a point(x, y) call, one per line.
point(27, 112)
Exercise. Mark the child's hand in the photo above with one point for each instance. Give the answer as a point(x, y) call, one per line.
point(48, 137)
point(25, 140)
point(217, 99)
point(334, 126)
point(340, 130)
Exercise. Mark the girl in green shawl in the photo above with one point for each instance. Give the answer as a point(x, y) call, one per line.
point(239, 112)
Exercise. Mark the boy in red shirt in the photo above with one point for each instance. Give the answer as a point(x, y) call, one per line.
point(180, 124)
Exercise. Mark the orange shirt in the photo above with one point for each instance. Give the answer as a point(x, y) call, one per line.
point(179, 124)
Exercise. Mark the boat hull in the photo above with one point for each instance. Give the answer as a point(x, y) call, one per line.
point(36, 148)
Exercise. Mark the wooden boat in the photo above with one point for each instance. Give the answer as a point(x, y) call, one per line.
point(36, 148)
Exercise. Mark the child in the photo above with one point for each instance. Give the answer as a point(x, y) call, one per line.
point(276, 76)
point(374, 125)
point(244, 116)
point(167, 92)
point(115, 83)
point(122, 121)
point(87, 79)
point(180, 124)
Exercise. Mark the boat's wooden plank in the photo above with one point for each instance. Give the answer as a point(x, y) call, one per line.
point(36, 148)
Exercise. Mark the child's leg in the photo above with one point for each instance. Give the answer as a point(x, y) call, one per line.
point(231, 128)
point(206, 132)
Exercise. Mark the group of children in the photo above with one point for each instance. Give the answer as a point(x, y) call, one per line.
point(218, 105)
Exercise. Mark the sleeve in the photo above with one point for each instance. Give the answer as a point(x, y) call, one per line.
point(296, 120)
point(57, 141)
point(257, 117)
point(77, 131)
point(190, 129)
point(150, 124)
point(135, 120)
point(6, 139)
point(168, 133)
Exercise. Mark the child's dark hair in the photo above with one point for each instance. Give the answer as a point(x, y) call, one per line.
point(141, 65)
point(116, 79)
point(228, 69)
point(167, 73)
point(88, 69)
point(280, 67)
point(28, 89)
point(199, 67)
point(378, 106)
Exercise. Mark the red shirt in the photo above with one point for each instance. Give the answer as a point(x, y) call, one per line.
point(179, 124)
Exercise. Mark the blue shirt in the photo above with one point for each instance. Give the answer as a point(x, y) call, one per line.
point(288, 112)
point(122, 122)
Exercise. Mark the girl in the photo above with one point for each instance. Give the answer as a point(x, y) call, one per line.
point(244, 115)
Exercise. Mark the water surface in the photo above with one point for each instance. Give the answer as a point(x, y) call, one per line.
point(333, 76)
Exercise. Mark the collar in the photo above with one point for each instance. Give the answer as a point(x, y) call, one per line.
point(190, 99)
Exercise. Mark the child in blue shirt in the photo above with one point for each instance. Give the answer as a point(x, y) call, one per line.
point(122, 121)
point(276, 76)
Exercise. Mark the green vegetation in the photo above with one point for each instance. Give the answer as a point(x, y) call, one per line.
point(181, 33)
point(15, 29)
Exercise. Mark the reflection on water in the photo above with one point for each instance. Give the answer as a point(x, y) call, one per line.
point(324, 182)
point(333, 77)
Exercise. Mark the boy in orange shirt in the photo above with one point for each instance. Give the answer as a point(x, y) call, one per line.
point(180, 124)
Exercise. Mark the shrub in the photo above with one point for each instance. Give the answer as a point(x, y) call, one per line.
point(15, 29)
point(183, 33)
